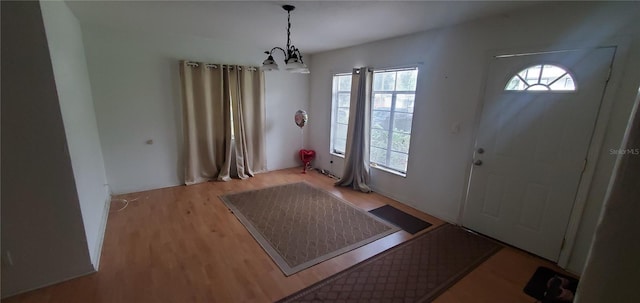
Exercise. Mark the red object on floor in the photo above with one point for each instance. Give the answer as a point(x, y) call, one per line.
point(306, 155)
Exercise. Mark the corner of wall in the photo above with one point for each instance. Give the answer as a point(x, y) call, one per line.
point(97, 250)
point(71, 76)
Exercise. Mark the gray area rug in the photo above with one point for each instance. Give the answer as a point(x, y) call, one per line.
point(299, 225)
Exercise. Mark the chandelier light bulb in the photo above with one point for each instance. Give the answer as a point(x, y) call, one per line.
point(292, 55)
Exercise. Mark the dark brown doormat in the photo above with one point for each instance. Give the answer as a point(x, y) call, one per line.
point(415, 271)
point(400, 219)
point(539, 285)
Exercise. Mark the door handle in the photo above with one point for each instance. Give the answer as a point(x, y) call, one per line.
point(477, 162)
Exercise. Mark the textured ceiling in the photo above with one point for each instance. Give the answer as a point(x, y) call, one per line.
point(316, 25)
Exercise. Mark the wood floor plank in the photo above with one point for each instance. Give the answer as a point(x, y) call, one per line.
point(181, 244)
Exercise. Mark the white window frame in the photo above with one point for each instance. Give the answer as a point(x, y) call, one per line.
point(392, 112)
point(334, 113)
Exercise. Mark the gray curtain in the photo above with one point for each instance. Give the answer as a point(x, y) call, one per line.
point(356, 169)
point(216, 100)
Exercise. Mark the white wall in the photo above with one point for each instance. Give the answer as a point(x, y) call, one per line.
point(284, 137)
point(611, 273)
point(42, 228)
point(453, 62)
point(76, 104)
point(136, 90)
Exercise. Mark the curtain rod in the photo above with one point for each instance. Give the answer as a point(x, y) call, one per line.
point(394, 69)
point(391, 69)
point(210, 65)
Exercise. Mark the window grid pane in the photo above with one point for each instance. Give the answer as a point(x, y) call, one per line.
point(341, 99)
point(382, 101)
point(405, 102)
point(398, 161)
point(380, 119)
point(379, 138)
point(400, 142)
point(342, 115)
point(344, 99)
point(392, 107)
point(402, 122)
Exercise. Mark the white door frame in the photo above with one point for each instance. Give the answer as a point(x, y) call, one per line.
point(593, 152)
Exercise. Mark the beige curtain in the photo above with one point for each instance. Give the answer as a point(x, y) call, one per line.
point(223, 117)
point(356, 168)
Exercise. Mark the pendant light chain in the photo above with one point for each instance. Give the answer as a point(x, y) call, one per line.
point(288, 30)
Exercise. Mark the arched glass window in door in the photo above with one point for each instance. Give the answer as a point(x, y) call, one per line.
point(544, 77)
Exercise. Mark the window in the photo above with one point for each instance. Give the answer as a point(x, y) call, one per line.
point(541, 78)
point(341, 100)
point(392, 102)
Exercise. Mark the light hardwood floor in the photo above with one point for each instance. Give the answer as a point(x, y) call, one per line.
point(181, 244)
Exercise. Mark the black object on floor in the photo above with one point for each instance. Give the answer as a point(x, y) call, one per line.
point(537, 285)
point(400, 219)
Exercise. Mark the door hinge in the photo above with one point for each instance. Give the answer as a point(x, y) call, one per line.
point(584, 166)
point(562, 245)
point(609, 74)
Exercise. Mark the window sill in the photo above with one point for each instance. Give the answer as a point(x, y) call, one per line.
point(391, 171)
point(337, 155)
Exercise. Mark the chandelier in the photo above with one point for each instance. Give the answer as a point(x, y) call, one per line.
point(292, 56)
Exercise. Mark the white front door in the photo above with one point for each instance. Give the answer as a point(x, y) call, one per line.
point(532, 144)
